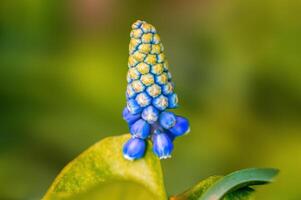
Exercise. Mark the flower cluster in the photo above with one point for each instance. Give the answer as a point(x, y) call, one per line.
point(149, 94)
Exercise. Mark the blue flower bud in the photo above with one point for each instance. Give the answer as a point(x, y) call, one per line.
point(162, 145)
point(133, 106)
point(134, 148)
point(130, 93)
point(162, 79)
point(140, 129)
point(173, 101)
point(181, 127)
point(128, 117)
point(167, 119)
point(167, 88)
point(128, 78)
point(160, 102)
point(137, 24)
point(150, 114)
point(143, 99)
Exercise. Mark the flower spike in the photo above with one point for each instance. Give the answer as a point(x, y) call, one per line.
point(150, 92)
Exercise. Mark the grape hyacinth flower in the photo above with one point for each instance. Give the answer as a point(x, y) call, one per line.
point(150, 92)
point(134, 148)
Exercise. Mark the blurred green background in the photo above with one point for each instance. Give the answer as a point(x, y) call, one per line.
point(236, 66)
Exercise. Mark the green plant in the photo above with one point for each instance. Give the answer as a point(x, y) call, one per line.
point(125, 167)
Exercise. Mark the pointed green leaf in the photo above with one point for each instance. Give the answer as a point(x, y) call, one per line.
point(198, 190)
point(234, 186)
point(238, 180)
point(101, 172)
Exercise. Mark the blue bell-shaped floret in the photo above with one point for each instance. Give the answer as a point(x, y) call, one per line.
point(140, 129)
point(162, 145)
point(181, 127)
point(134, 148)
point(167, 119)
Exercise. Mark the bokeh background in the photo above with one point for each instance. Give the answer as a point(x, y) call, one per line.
point(236, 66)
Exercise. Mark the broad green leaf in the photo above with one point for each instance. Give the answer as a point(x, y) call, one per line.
point(234, 186)
point(101, 172)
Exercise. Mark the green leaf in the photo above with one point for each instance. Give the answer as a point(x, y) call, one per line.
point(198, 190)
point(238, 180)
point(234, 186)
point(102, 172)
